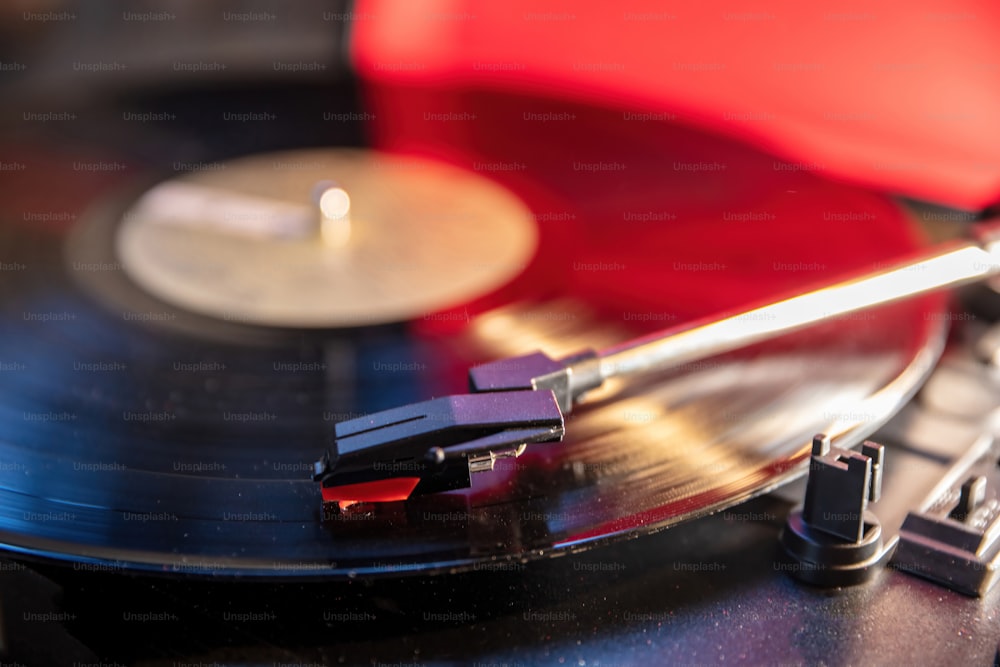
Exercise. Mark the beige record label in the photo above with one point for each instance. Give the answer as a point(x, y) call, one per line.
point(325, 238)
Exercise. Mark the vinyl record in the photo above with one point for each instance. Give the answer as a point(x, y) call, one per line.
point(142, 430)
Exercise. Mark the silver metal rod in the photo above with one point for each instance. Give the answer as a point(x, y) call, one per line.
point(950, 265)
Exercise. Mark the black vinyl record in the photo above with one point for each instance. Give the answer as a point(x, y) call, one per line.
point(138, 435)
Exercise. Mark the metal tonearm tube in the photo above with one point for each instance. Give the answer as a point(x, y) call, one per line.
point(435, 445)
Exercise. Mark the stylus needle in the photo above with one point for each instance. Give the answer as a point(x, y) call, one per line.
point(565, 381)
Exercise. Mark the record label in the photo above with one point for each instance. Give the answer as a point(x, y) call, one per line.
point(325, 238)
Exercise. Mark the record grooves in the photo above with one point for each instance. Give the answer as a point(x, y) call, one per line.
point(144, 437)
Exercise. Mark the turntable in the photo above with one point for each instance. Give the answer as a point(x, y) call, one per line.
point(509, 358)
